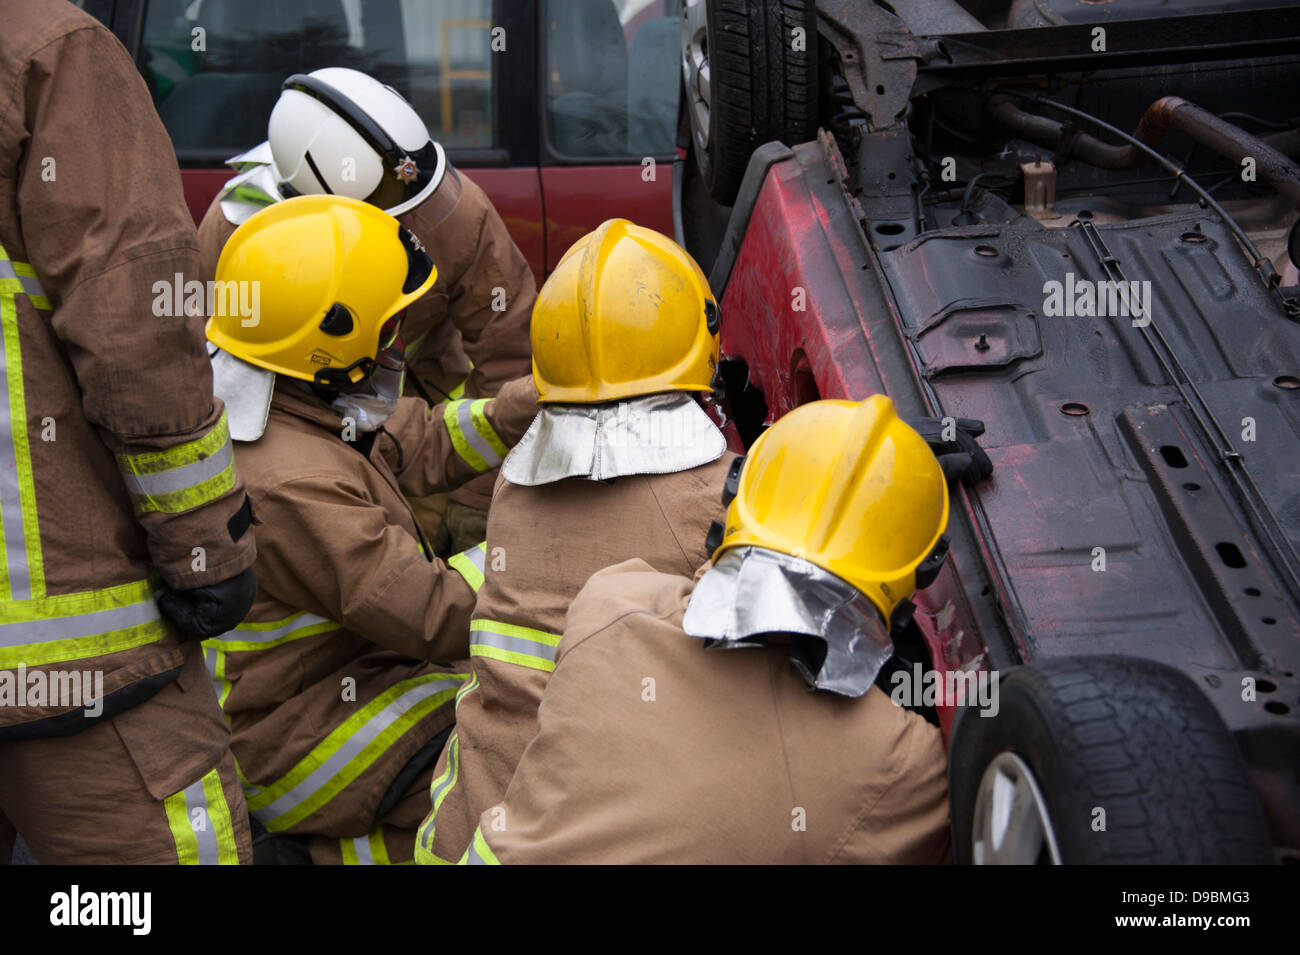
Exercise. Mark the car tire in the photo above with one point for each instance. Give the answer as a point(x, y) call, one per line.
point(745, 84)
point(1101, 760)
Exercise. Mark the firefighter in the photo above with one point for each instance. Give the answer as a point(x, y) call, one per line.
point(125, 527)
point(342, 132)
point(330, 684)
point(621, 462)
point(678, 725)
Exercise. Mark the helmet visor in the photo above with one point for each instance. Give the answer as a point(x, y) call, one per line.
point(406, 175)
point(390, 330)
point(418, 263)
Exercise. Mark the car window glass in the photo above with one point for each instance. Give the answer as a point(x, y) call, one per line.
point(101, 10)
point(215, 66)
point(612, 77)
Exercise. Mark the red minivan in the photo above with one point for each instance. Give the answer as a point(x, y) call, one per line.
point(564, 111)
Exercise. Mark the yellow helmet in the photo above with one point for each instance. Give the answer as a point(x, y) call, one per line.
point(626, 312)
point(328, 273)
point(850, 487)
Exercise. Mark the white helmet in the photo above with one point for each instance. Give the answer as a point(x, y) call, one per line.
point(342, 132)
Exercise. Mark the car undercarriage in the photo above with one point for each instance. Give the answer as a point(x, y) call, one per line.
point(1075, 222)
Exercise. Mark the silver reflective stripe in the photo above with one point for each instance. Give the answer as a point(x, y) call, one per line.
point(178, 479)
point(473, 858)
point(78, 625)
point(465, 421)
point(29, 283)
point(352, 748)
point(362, 847)
point(206, 837)
point(267, 636)
point(452, 771)
point(499, 641)
point(210, 657)
point(11, 505)
point(477, 556)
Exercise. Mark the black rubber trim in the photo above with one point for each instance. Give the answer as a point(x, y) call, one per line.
point(337, 321)
point(317, 173)
point(764, 158)
point(679, 234)
point(241, 520)
point(426, 756)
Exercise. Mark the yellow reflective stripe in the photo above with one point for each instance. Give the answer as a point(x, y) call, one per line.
point(351, 749)
point(183, 477)
point(367, 850)
point(178, 820)
point(200, 823)
point(469, 564)
point(223, 825)
point(472, 435)
point(215, 661)
point(444, 783)
point(458, 391)
point(378, 851)
point(484, 428)
point(265, 635)
point(349, 850)
point(19, 278)
point(189, 452)
point(459, 441)
point(479, 852)
point(78, 626)
point(23, 569)
point(511, 643)
point(424, 857)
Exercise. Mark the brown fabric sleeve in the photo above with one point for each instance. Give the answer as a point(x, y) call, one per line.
point(324, 547)
point(430, 463)
point(487, 289)
point(215, 231)
point(108, 227)
point(497, 342)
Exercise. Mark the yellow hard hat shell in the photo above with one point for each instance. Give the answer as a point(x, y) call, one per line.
point(625, 313)
point(848, 486)
point(307, 255)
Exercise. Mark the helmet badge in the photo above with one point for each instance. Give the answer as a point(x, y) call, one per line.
point(406, 170)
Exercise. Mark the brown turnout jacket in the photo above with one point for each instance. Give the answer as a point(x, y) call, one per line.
point(329, 668)
point(542, 545)
point(651, 749)
point(115, 468)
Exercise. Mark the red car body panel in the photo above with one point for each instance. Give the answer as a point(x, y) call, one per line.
point(516, 193)
point(200, 186)
point(579, 198)
point(543, 224)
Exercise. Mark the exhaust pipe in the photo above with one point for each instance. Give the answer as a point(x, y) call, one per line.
point(1166, 113)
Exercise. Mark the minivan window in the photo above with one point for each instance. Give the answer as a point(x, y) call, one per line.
point(214, 67)
point(612, 78)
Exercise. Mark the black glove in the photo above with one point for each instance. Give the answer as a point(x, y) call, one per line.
point(205, 612)
point(962, 458)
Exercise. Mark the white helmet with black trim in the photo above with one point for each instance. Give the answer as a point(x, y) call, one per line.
point(341, 132)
